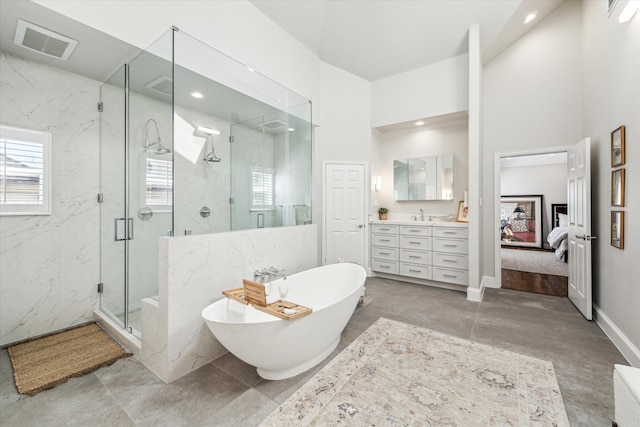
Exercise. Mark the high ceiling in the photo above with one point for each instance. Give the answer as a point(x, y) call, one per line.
point(374, 39)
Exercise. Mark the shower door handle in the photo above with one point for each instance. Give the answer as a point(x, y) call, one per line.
point(119, 232)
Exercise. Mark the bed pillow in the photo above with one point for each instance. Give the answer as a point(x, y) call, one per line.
point(519, 226)
point(563, 220)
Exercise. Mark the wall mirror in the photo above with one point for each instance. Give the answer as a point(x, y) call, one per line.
point(423, 178)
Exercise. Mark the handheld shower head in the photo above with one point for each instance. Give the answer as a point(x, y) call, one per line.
point(160, 149)
point(210, 156)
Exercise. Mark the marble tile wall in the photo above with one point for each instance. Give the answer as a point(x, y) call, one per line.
point(193, 272)
point(49, 264)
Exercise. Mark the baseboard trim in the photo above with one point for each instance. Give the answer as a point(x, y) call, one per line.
point(619, 339)
point(490, 282)
point(475, 294)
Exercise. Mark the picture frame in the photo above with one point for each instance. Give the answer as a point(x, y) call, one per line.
point(617, 147)
point(463, 212)
point(521, 221)
point(617, 229)
point(617, 188)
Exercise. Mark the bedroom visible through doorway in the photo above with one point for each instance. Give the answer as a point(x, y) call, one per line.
point(531, 253)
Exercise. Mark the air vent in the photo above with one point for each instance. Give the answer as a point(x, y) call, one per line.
point(274, 124)
point(41, 40)
point(162, 84)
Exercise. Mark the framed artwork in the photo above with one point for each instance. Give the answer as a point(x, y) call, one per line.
point(617, 187)
point(521, 221)
point(617, 229)
point(463, 212)
point(617, 147)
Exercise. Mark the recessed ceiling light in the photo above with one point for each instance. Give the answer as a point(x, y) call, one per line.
point(250, 69)
point(629, 10)
point(419, 123)
point(291, 130)
point(530, 17)
point(197, 95)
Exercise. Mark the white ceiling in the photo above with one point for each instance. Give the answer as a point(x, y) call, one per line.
point(372, 39)
point(381, 38)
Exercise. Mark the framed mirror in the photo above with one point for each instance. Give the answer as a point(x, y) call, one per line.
point(423, 178)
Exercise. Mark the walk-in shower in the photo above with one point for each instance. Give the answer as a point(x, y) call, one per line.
point(251, 134)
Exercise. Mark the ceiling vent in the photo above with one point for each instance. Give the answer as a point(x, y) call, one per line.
point(274, 124)
point(41, 40)
point(162, 84)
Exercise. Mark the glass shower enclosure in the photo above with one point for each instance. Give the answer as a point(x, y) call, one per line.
point(192, 142)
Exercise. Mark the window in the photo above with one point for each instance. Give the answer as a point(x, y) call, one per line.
point(159, 183)
point(261, 188)
point(25, 171)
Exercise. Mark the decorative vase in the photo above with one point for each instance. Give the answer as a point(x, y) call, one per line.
point(383, 216)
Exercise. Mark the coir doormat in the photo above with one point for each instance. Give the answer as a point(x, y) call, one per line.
point(45, 362)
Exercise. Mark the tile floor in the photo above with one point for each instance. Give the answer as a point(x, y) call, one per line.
point(227, 392)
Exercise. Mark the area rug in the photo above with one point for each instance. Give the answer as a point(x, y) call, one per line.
point(401, 375)
point(51, 360)
point(543, 262)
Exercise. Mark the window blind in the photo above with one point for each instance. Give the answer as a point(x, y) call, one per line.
point(159, 182)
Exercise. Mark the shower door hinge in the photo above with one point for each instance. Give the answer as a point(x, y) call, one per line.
point(100, 287)
point(100, 107)
point(100, 197)
point(231, 201)
point(231, 138)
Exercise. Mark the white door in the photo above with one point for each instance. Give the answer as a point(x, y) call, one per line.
point(579, 211)
point(344, 227)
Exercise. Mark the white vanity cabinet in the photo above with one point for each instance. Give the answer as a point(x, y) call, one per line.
point(419, 251)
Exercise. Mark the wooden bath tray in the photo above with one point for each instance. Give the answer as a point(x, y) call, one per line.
point(274, 309)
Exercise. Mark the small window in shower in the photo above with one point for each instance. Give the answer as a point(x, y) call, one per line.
point(159, 184)
point(25, 171)
point(261, 188)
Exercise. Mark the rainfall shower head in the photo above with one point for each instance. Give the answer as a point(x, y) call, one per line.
point(160, 149)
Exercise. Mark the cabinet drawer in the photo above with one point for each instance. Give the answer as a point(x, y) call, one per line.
point(459, 277)
point(382, 253)
point(420, 243)
point(384, 266)
point(414, 270)
point(450, 260)
point(415, 257)
point(390, 240)
point(452, 232)
point(384, 229)
point(409, 230)
point(456, 246)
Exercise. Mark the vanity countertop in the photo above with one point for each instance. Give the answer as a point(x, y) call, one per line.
point(418, 222)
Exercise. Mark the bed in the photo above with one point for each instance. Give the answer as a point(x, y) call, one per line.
point(557, 237)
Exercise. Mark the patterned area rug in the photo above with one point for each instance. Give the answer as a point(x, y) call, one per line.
point(543, 262)
point(398, 374)
point(45, 362)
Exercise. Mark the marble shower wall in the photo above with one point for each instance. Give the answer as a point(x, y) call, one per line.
point(194, 270)
point(49, 265)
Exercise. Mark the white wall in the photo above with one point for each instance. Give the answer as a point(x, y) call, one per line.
point(532, 99)
point(430, 91)
point(548, 180)
point(444, 138)
point(611, 97)
point(49, 264)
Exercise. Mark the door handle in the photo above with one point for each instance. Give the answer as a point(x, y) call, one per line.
point(360, 226)
point(586, 237)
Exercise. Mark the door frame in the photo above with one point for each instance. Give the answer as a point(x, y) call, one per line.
point(365, 212)
point(497, 197)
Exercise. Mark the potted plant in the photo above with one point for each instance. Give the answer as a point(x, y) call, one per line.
point(382, 212)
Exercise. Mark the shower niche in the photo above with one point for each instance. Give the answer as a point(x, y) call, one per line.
point(192, 142)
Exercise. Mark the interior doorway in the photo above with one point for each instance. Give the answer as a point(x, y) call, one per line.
point(530, 202)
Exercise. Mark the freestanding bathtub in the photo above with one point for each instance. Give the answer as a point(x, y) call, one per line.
point(284, 348)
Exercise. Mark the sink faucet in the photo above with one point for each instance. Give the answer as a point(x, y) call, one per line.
point(421, 215)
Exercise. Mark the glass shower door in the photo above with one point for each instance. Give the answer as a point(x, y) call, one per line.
point(113, 196)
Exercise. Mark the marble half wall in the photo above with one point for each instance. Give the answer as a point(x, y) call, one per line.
point(194, 270)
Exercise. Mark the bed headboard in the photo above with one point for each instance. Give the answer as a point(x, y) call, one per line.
point(557, 208)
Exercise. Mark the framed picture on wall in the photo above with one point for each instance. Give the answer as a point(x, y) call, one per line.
point(617, 147)
point(521, 221)
point(617, 187)
point(617, 229)
point(463, 212)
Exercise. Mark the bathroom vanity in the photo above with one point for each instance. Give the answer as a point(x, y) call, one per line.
point(431, 253)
